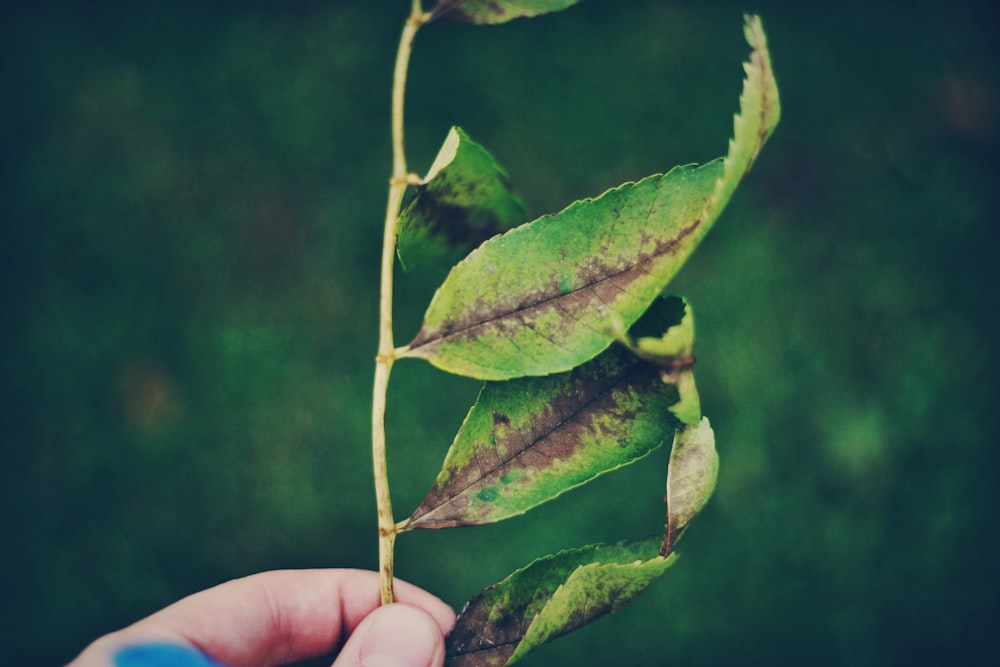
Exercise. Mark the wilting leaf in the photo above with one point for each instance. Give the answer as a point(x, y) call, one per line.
point(528, 440)
point(550, 597)
point(466, 199)
point(694, 467)
point(496, 11)
point(671, 351)
point(551, 294)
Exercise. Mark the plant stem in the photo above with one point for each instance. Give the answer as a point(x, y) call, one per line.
point(386, 348)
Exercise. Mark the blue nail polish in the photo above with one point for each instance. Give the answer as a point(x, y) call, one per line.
point(162, 655)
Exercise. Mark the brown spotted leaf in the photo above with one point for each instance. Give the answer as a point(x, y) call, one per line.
point(496, 11)
point(551, 294)
point(465, 199)
point(549, 598)
point(528, 440)
point(691, 476)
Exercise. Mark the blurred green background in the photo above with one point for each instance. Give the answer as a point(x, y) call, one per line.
point(191, 210)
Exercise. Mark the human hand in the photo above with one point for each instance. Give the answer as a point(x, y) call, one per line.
point(281, 617)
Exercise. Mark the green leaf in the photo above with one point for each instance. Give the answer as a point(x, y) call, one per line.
point(549, 598)
point(529, 440)
point(694, 467)
point(672, 351)
point(548, 295)
point(553, 293)
point(465, 199)
point(496, 11)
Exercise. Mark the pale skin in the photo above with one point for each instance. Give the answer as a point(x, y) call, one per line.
point(281, 617)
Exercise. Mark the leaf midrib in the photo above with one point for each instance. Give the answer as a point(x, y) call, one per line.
point(623, 378)
point(547, 296)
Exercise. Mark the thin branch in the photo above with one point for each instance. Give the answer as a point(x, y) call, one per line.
point(386, 348)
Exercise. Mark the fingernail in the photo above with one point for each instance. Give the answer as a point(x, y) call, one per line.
point(399, 636)
point(161, 655)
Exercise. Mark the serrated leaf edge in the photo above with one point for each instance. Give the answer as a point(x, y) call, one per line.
point(753, 125)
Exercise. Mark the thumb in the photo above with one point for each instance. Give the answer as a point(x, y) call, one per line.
point(395, 635)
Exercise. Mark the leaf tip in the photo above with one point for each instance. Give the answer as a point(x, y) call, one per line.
point(446, 155)
point(760, 83)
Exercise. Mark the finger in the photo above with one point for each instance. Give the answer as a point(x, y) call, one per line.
point(396, 635)
point(269, 619)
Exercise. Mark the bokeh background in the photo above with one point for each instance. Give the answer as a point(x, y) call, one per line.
point(192, 196)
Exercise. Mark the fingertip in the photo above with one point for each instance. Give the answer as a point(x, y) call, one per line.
point(438, 609)
point(396, 635)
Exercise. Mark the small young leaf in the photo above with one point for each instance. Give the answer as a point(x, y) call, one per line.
point(496, 11)
point(549, 598)
point(671, 351)
point(528, 440)
point(551, 294)
point(465, 199)
point(694, 467)
point(658, 337)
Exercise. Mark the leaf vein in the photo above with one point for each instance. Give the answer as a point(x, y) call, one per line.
point(529, 447)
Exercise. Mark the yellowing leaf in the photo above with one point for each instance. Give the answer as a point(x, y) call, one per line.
point(694, 467)
point(672, 351)
point(553, 293)
point(529, 440)
point(548, 598)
